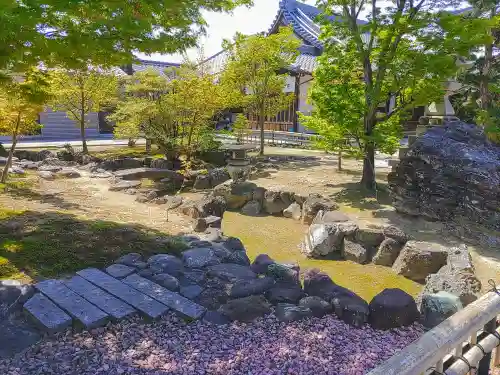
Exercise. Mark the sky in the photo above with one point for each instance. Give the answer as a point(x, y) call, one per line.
point(224, 26)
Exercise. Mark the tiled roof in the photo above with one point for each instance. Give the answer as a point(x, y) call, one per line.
point(159, 66)
point(304, 63)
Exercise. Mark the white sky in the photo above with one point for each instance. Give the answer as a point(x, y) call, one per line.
point(224, 26)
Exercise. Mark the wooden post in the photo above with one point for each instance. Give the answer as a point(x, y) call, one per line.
point(296, 104)
point(485, 362)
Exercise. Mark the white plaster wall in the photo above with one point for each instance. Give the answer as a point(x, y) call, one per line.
point(305, 107)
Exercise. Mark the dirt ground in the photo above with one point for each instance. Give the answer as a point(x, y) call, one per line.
point(90, 199)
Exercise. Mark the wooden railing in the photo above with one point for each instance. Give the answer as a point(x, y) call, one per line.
point(462, 344)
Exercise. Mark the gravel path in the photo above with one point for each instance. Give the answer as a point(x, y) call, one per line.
point(316, 346)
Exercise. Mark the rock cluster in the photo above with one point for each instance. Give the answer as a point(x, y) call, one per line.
point(451, 173)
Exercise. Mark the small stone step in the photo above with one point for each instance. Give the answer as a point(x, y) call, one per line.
point(402, 151)
point(173, 300)
point(76, 306)
point(147, 305)
point(116, 308)
point(46, 314)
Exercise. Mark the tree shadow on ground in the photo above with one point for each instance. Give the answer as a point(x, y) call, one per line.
point(40, 245)
point(356, 196)
point(51, 198)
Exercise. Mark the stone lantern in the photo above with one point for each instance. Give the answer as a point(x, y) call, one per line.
point(238, 166)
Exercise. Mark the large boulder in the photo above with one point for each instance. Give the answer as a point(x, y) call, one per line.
point(218, 176)
point(451, 173)
point(369, 236)
point(236, 194)
point(286, 312)
point(355, 252)
point(200, 257)
point(456, 277)
point(350, 308)
point(165, 263)
point(261, 263)
point(437, 307)
point(388, 252)
point(391, 231)
point(245, 288)
point(246, 309)
point(252, 208)
point(392, 308)
point(323, 217)
point(318, 306)
point(150, 173)
point(202, 182)
point(313, 204)
point(285, 293)
point(161, 164)
point(294, 211)
point(273, 203)
point(323, 239)
point(123, 185)
point(231, 272)
point(207, 206)
point(166, 281)
point(285, 273)
point(418, 260)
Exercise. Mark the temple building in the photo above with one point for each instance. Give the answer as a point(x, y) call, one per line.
point(301, 17)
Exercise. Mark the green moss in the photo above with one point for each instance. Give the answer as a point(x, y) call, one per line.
point(280, 238)
point(34, 245)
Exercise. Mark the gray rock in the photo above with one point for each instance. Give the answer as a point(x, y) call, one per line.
point(124, 185)
point(234, 244)
point(176, 302)
point(231, 272)
point(286, 312)
point(202, 223)
point(120, 271)
point(46, 315)
point(451, 174)
point(246, 309)
point(285, 293)
point(245, 288)
point(318, 306)
point(46, 175)
point(130, 259)
point(150, 173)
point(68, 173)
point(313, 204)
point(215, 317)
point(49, 168)
point(202, 182)
point(28, 164)
point(252, 208)
point(16, 170)
point(369, 236)
point(106, 302)
point(258, 194)
point(191, 291)
point(12, 295)
point(213, 298)
point(54, 162)
point(239, 257)
point(417, 260)
point(200, 257)
point(166, 281)
point(166, 263)
point(85, 313)
point(273, 203)
point(396, 233)
point(294, 211)
point(323, 239)
point(236, 194)
point(438, 307)
point(207, 206)
point(261, 263)
point(324, 217)
point(147, 273)
point(284, 273)
point(174, 202)
point(218, 176)
point(195, 275)
point(387, 252)
point(351, 308)
point(145, 304)
point(355, 252)
point(393, 308)
point(161, 164)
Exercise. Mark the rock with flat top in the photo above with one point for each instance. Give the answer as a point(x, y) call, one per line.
point(418, 260)
point(313, 204)
point(393, 308)
point(150, 173)
point(355, 252)
point(323, 239)
point(246, 309)
point(387, 252)
point(124, 185)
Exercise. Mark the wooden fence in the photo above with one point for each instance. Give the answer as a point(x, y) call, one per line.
point(462, 344)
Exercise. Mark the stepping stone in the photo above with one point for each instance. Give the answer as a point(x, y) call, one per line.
point(119, 271)
point(46, 314)
point(116, 308)
point(76, 306)
point(173, 300)
point(147, 305)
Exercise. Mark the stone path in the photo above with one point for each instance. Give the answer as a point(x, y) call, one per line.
point(93, 297)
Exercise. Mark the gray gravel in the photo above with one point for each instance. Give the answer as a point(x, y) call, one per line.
point(319, 346)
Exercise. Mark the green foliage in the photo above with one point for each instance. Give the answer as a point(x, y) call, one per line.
point(256, 71)
point(241, 128)
point(406, 50)
point(21, 100)
point(102, 32)
point(79, 92)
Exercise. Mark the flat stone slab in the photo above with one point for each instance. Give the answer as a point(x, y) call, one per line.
point(151, 173)
point(116, 308)
point(75, 305)
point(173, 300)
point(120, 271)
point(147, 305)
point(46, 314)
point(124, 185)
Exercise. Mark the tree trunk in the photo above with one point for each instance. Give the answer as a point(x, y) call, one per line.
point(148, 146)
point(339, 160)
point(368, 179)
point(484, 89)
point(261, 126)
point(5, 172)
point(82, 133)
point(189, 140)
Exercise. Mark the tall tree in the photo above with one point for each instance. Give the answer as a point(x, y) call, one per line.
point(79, 92)
point(407, 49)
point(21, 100)
point(102, 32)
point(257, 68)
